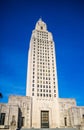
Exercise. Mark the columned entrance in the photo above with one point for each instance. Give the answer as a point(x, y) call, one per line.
point(44, 119)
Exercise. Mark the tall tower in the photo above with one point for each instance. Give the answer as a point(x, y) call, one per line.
point(42, 74)
point(42, 77)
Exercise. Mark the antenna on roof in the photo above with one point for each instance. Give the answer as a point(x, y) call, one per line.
point(40, 18)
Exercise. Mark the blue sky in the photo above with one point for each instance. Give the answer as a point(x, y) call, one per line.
point(65, 19)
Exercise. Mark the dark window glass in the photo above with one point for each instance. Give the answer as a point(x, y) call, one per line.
point(2, 118)
point(22, 121)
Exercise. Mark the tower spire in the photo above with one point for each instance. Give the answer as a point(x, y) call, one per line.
point(40, 19)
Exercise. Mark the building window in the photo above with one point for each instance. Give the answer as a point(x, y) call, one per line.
point(43, 90)
point(41, 27)
point(40, 90)
point(22, 121)
point(54, 82)
point(47, 90)
point(38, 86)
point(37, 94)
point(43, 86)
point(33, 72)
point(46, 95)
point(83, 116)
point(2, 118)
point(65, 121)
point(32, 85)
point(41, 95)
point(46, 86)
point(33, 81)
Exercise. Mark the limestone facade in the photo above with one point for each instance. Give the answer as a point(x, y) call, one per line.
point(19, 113)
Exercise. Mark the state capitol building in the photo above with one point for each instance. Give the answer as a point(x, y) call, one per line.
point(41, 107)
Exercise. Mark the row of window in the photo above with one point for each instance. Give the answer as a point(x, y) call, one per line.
point(42, 40)
point(42, 33)
point(44, 70)
point(47, 72)
point(43, 74)
point(41, 44)
point(41, 56)
point(41, 53)
point(43, 84)
point(43, 67)
point(43, 90)
point(43, 95)
point(43, 81)
point(40, 61)
point(43, 63)
point(45, 78)
point(44, 37)
point(37, 40)
point(44, 46)
point(43, 49)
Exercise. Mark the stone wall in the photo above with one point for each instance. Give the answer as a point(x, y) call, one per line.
point(11, 111)
point(50, 105)
point(64, 106)
point(63, 113)
point(18, 108)
point(74, 115)
point(24, 103)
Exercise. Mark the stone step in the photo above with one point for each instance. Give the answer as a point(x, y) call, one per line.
point(49, 129)
point(3, 129)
